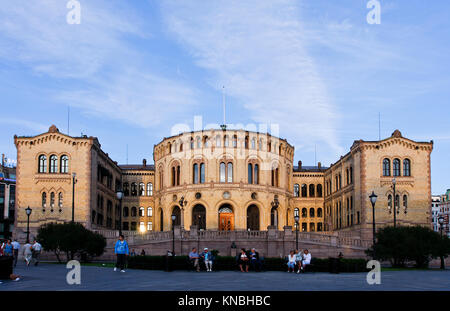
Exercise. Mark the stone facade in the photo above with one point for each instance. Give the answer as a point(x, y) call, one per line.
point(219, 180)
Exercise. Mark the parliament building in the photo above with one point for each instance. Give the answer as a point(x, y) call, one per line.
point(221, 180)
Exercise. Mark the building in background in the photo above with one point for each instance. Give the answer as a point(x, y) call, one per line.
point(445, 211)
point(435, 211)
point(7, 198)
point(221, 180)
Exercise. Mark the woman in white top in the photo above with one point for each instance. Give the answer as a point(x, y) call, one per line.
point(306, 258)
point(291, 261)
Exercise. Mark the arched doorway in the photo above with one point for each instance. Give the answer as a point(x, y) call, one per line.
point(199, 216)
point(177, 212)
point(274, 217)
point(226, 217)
point(253, 217)
point(161, 220)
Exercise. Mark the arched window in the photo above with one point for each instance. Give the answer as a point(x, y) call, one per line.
point(390, 202)
point(42, 167)
point(296, 212)
point(396, 166)
point(133, 189)
point(230, 172)
point(52, 200)
point(319, 190)
point(235, 141)
point(44, 200)
point(405, 201)
point(260, 144)
point(312, 227)
point(149, 189)
point(304, 191)
point(253, 143)
point(192, 143)
point(246, 142)
point(60, 199)
point(173, 176)
point(195, 175)
point(351, 175)
point(141, 212)
point(64, 166)
point(126, 191)
point(311, 212)
point(133, 211)
point(226, 141)
point(250, 173)
point(142, 189)
point(256, 174)
point(406, 167)
point(386, 167)
point(218, 141)
point(199, 142)
point(53, 164)
point(202, 173)
point(304, 212)
point(296, 190)
point(222, 172)
point(149, 212)
point(312, 189)
point(319, 212)
point(125, 211)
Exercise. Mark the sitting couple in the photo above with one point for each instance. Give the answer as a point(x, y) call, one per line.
point(206, 256)
point(246, 259)
point(297, 258)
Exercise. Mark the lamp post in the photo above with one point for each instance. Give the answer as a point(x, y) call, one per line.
point(394, 182)
point(275, 203)
point(119, 195)
point(441, 228)
point(74, 181)
point(28, 211)
point(174, 217)
point(373, 199)
point(296, 218)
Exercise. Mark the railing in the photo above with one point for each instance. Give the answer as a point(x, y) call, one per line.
point(335, 240)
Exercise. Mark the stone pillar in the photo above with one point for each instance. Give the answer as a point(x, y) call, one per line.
point(272, 247)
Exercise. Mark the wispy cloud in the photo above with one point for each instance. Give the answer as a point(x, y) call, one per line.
point(96, 65)
point(258, 50)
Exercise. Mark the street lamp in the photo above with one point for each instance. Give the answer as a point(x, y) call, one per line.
point(394, 182)
point(174, 217)
point(296, 218)
point(373, 199)
point(119, 195)
point(74, 181)
point(28, 211)
point(441, 228)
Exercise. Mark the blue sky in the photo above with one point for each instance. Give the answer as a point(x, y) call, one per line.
point(132, 70)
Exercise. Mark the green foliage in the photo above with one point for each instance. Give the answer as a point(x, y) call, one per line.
point(73, 239)
point(409, 243)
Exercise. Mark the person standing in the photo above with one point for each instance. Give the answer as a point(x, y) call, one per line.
point(36, 252)
point(16, 248)
point(27, 253)
point(121, 250)
point(8, 248)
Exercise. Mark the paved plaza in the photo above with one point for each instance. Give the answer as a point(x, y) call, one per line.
point(53, 277)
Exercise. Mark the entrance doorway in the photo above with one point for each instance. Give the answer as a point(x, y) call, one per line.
point(226, 218)
point(199, 216)
point(253, 217)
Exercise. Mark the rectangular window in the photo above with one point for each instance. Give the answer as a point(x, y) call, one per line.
point(149, 226)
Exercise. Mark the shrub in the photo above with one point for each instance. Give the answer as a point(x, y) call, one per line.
point(73, 239)
point(413, 243)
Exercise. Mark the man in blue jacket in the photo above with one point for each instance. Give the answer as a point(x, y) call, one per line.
point(121, 250)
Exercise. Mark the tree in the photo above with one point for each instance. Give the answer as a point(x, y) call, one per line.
point(72, 239)
point(409, 243)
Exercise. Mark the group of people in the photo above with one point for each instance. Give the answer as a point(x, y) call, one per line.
point(248, 259)
point(206, 257)
point(30, 251)
point(298, 259)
